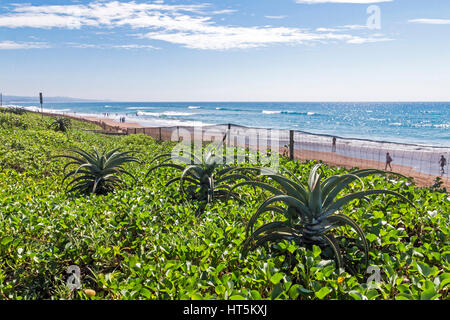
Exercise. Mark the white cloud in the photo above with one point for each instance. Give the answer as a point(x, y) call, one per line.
point(134, 46)
point(225, 11)
point(83, 45)
point(373, 39)
point(431, 21)
point(11, 45)
point(327, 30)
point(107, 14)
point(186, 25)
point(355, 27)
point(224, 38)
point(109, 46)
point(275, 17)
point(341, 1)
point(44, 21)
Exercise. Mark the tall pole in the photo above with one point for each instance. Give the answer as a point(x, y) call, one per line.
point(1, 99)
point(41, 101)
point(291, 144)
point(228, 135)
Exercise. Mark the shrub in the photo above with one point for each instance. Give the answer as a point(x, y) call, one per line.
point(10, 121)
point(205, 181)
point(311, 213)
point(97, 173)
point(61, 124)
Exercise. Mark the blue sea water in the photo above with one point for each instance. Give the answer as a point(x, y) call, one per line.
point(426, 123)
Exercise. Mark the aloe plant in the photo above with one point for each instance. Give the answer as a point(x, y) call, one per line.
point(312, 212)
point(97, 173)
point(61, 124)
point(202, 180)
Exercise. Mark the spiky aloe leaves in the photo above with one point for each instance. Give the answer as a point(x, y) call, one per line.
point(61, 124)
point(201, 180)
point(96, 172)
point(311, 211)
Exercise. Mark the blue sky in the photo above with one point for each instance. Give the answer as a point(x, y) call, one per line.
point(247, 50)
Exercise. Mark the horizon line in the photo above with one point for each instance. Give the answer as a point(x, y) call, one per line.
point(225, 101)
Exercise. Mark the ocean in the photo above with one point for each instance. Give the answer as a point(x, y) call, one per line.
point(426, 123)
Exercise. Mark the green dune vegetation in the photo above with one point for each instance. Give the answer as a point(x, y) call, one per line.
point(141, 225)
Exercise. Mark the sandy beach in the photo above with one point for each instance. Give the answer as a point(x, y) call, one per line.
point(307, 147)
point(113, 123)
point(334, 159)
point(418, 162)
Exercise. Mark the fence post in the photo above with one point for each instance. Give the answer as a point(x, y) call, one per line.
point(228, 134)
point(291, 144)
point(160, 134)
point(178, 133)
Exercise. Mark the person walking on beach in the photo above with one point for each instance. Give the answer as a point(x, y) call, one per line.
point(333, 146)
point(443, 163)
point(388, 161)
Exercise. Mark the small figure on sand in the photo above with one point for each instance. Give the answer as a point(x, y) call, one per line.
point(443, 163)
point(388, 161)
point(333, 146)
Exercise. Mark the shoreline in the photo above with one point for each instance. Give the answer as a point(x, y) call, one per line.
point(113, 123)
point(412, 161)
point(167, 119)
point(342, 157)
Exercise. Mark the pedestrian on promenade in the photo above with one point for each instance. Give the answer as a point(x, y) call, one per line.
point(388, 161)
point(333, 147)
point(443, 163)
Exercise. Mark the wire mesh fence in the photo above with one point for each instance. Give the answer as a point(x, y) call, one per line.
point(423, 163)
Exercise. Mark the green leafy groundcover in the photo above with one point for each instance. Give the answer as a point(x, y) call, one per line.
point(145, 242)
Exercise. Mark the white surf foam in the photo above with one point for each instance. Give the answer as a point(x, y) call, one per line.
point(271, 111)
point(162, 114)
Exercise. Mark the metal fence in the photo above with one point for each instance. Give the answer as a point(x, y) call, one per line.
point(420, 162)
